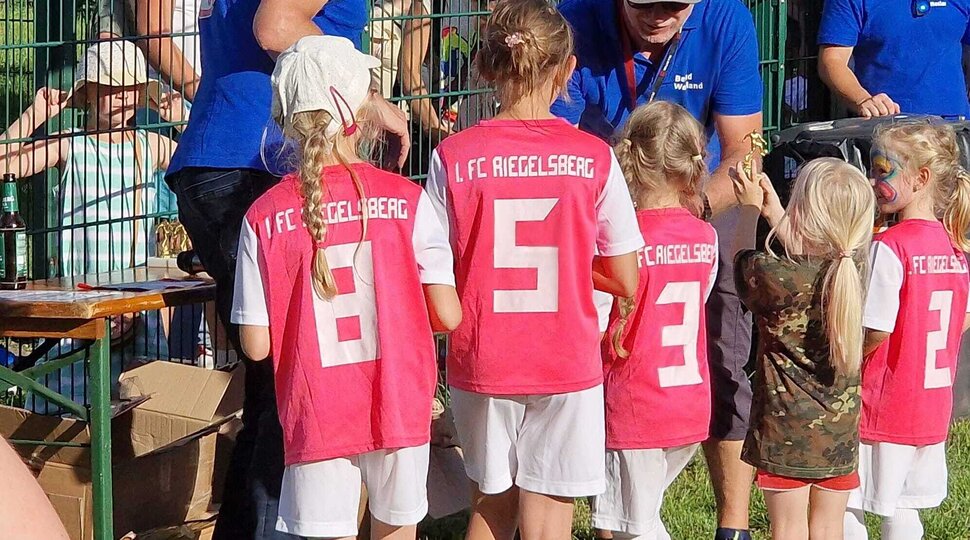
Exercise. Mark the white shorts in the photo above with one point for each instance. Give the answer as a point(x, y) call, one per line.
point(321, 499)
point(549, 444)
point(635, 484)
point(899, 476)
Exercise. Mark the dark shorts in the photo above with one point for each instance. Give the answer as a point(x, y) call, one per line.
point(728, 340)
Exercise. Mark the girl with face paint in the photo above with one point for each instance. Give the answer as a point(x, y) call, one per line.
point(915, 315)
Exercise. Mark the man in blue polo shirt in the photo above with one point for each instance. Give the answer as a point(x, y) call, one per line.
point(702, 54)
point(908, 55)
point(227, 157)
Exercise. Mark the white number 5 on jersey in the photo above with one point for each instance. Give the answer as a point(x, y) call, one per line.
point(937, 377)
point(544, 259)
point(683, 335)
point(357, 309)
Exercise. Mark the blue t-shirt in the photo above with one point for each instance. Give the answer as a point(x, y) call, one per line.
point(231, 111)
point(916, 61)
point(715, 69)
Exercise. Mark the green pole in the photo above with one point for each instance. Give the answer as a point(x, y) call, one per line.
point(99, 373)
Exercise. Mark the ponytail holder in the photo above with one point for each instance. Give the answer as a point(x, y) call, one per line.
point(847, 254)
point(697, 157)
point(320, 245)
point(514, 39)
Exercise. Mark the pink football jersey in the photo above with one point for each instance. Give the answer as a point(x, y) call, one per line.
point(918, 292)
point(527, 204)
point(660, 395)
point(355, 373)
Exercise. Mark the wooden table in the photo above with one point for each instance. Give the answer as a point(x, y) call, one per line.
point(28, 314)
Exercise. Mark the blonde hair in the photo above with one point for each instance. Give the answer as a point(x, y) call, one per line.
point(831, 214)
point(662, 147)
point(524, 44)
point(314, 148)
point(934, 147)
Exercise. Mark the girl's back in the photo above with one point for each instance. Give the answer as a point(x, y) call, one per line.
point(659, 396)
point(357, 372)
point(918, 293)
point(527, 203)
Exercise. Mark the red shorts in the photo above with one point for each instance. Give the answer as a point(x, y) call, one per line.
point(774, 482)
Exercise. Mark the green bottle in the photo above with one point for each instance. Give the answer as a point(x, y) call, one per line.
point(13, 237)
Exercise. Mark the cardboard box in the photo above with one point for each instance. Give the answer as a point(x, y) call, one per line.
point(169, 452)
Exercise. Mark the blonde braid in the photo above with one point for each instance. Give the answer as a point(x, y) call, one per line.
point(315, 147)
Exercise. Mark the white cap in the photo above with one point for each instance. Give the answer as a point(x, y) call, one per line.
point(115, 63)
point(322, 73)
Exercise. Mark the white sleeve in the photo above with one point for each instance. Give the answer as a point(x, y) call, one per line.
point(248, 297)
point(431, 249)
point(616, 219)
point(712, 279)
point(885, 282)
point(436, 186)
point(604, 305)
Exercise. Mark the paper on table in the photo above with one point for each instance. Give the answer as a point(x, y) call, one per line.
point(54, 296)
point(153, 285)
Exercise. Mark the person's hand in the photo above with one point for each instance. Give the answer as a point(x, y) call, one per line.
point(436, 135)
point(771, 206)
point(747, 191)
point(877, 105)
point(49, 102)
point(171, 107)
point(392, 120)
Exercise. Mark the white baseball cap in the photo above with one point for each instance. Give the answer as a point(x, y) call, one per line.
point(115, 63)
point(322, 73)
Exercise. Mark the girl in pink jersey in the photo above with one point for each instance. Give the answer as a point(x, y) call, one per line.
point(658, 395)
point(807, 306)
point(915, 315)
point(528, 200)
point(343, 271)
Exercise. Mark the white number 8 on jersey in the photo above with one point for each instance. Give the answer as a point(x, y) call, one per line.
point(359, 304)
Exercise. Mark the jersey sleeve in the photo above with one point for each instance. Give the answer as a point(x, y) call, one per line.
point(841, 23)
point(249, 298)
point(431, 247)
point(570, 106)
point(739, 87)
point(885, 283)
point(436, 187)
point(712, 279)
point(616, 219)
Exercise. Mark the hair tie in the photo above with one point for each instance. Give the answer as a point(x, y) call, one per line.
point(514, 39)
point(847, 254)
point(320, 245)
point(697, 157)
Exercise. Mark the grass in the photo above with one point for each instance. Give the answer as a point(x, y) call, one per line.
point(689, 512)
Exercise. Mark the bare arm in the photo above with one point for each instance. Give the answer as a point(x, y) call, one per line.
point(26, 513)
point(414, 48)
point(278, 24)
point(833, 68)
point(164, 149)
point(731, 130)
point(616, 275)
point(254, 341)
point(443, 307)
point(966, 322)
point(874, 339)
point(153, 18)
point(30, 159)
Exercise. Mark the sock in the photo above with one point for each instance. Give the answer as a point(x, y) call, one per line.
point(855, 525)
point(731, 534)
point(904, 525)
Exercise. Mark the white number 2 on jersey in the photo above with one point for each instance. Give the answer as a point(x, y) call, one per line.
point(683, 335)
point(358, 308)
point(544, 259)
point(937, 377)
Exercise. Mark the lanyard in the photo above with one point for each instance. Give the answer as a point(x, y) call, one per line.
point(630, 72)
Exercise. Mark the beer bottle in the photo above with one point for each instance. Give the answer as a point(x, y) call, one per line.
point(13, 238)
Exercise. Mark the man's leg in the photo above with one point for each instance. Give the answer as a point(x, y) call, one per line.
point(212, 204)
point(729, 346)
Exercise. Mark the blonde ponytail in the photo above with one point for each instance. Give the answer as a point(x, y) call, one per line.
point(956, 215)
point(831, 214)
point(315, 150)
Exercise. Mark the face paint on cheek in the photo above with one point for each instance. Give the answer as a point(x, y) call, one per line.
point(886, 169)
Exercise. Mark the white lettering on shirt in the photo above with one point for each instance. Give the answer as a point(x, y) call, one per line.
point(526, 166)
point(937, 264)
point(686, 82)
point(340, 212)
point(662, 254)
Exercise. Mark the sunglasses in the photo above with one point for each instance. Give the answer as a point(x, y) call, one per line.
point(669, 7)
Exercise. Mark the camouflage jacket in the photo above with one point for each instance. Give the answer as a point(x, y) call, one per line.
point(804, 416)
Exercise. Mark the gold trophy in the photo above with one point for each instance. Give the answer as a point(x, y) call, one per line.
point(758, 145)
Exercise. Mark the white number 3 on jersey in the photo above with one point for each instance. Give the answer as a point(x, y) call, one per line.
point(683, 335)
